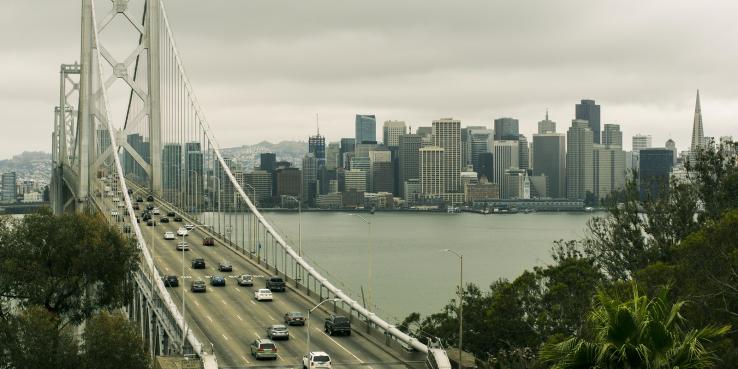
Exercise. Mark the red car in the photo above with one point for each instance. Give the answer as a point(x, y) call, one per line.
point(208, 241)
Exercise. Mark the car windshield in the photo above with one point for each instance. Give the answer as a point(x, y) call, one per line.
point(276, 279)
point(296, 315)
point(279, 328)
point(264, 291)
point(246, 277)
point(321, 359)
point(340, 319)
point(267, 346)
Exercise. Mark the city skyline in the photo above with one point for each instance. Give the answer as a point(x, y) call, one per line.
point(485, 67)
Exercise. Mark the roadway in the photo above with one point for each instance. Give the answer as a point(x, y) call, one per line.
point(230, 319)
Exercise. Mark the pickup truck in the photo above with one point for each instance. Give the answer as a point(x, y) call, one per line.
point(275, 283)
point(337, 324)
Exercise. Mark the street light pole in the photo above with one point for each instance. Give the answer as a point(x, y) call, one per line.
point(184, 289)
point(308, 320)
point(369, 251)
point(461, 300)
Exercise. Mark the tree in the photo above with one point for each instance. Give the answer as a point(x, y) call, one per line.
point(714, 173)
point(636, 333)
point(35, 341)
point(111, 341)
point(71, 264)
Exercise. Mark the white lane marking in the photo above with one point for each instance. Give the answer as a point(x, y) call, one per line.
point(224, 336)
point(244, 359)
point(339, 345)
point(270, 317)
point(256, 334)
point(252, 301)
point(224, 303)
point(210, 319)
point(239, 317)
point(280, 358)
point(197, 303)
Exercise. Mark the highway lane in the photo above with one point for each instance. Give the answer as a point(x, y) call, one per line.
point(231, 319)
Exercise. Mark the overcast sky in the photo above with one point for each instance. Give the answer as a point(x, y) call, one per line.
point(262, 69)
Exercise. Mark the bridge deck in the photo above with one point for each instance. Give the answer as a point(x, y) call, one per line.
point(230, 319)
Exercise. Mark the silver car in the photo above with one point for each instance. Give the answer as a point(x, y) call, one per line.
point(245, 280)
point(278, 332)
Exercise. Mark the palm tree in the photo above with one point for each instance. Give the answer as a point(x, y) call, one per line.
point(638, 333)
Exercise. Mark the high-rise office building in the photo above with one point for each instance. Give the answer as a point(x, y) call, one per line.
point(486, 165)
point(194, 173)
point(171, 161)
point(641, 142)
point(609, 169)
point(391, 132)
point(654, 170)
point(612, 136)
point(10, 187)
point(447, 135)
point(331, 155)
point(466, 142)
point(579, 162)
point(268, 161)
point(289, 181)
point(309, 178)
point(426, 134)
point(549, 159)
point(432, 171)
point(409, 157)
point(316, 146)
point(546, 125)
point(588, 110)
point(259, 183)
point(698, 135)
point(506, 129)
point(671, 145)
point(348, 145)
point(366, 128)
point(505, 155)
point(523, 153)
point(355, 179)
point(517, 184)
point(381, 172)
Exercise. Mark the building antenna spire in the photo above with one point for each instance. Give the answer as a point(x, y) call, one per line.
point(317, 123)
point(546, 113)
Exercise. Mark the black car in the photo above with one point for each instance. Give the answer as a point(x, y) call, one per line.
point(198, 263)
point(177, 218)
point(150, 207)
point(217, 280)
point(198, 286)
point(225, 266)
point(171, 281)
point(150, 198)
point(275, 283)
point(163, 220)
point(337, 324)
point(171, 214)
point(139, 199)
point(130, 191)
point(151, 223)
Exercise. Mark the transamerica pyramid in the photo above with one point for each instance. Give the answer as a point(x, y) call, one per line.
point(698, 135)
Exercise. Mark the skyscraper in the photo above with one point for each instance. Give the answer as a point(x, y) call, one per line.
point(609, 169)
point(10, 189)
point(381, 172)
point(171, 161)
point(523, 152)
point(589, 111)
point(546, 126)
point(366, 128)
point(309, 178)
point(671, 145)
point(505, 155)
point(698, 135)
point(316, 146)
point(612, 136)
point(506, 129)
point(268, 161)
point(549, 159)
point(486, 166)
point(348, 145)
point(447, 135)
point(640, 142)
point(332, 153)
point(391, 132)
point(431, 171)
point(410, 145)
point(579, 162)
point(654, 168)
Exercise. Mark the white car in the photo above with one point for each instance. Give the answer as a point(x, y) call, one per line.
point(156, 211)
point(121, 204)
point(115, 199)
point(189, 227)
point(316, 359)
point(168, 235)
point(114, 213)
point(183, 247)
point(182, 232)
point(263, 294)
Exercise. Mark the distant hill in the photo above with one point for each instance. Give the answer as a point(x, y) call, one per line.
point(248, 155)
point(29, 165)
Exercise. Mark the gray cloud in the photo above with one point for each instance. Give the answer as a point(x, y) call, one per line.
point(275, 63)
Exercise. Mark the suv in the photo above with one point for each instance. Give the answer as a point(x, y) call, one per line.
point(316, 359)
point(294, 318)
point(198, 263)
point(171, 214)
point(245, 280)
point(275, 283)
point(263, 348)
point(337, 324)
point(208, 241)
point(278, 331)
